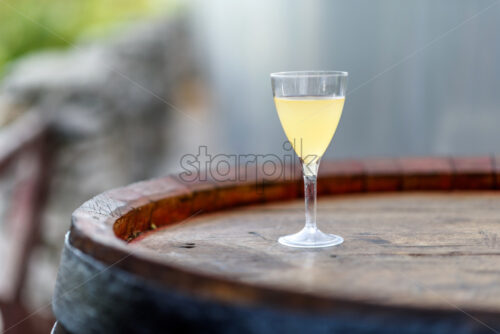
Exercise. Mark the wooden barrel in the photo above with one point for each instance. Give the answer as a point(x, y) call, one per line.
point(421, 252)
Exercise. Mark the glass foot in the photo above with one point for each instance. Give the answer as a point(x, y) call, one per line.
point(311, 238)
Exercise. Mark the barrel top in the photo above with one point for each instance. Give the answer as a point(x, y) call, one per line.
point(414, 237)
point(419, 249)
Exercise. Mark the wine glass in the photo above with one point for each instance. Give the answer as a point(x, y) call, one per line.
point(309, 105)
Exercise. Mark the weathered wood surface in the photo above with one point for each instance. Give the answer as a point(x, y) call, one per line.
point(418, 249)
point(24, 161)
point(411, 263)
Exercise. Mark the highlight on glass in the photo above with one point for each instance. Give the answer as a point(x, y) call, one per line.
point(309, 105)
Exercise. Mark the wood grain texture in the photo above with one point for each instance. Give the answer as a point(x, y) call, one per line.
point(416, 249)
point(341, 177)
point(426, 173)
point(473, 173)
point(382, 175)
point(91, 297)
point(426, 257)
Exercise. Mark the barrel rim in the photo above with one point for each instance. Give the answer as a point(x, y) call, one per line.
point(94, 225)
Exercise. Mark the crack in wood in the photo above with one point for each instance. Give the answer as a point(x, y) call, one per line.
point(258, 235)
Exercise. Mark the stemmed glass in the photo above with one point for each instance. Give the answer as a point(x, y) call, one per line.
point(309, 105)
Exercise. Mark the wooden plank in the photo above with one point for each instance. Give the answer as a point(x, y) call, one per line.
point(244, 185)
point(473, 173)
point(23, 227)
point(382, 175)
point(426, 173)
point(340, 177)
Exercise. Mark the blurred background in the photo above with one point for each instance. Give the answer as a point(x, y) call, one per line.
point(94, 95)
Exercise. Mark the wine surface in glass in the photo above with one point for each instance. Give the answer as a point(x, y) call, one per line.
point(309, 123)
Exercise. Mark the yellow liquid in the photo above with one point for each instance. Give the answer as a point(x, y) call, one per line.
point(309, 123)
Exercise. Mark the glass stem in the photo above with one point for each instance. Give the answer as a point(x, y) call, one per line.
point(310, 179)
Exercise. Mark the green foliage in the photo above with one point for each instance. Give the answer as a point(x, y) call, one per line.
point(27, 25)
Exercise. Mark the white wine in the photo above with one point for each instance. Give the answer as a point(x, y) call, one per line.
point(309, 123)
